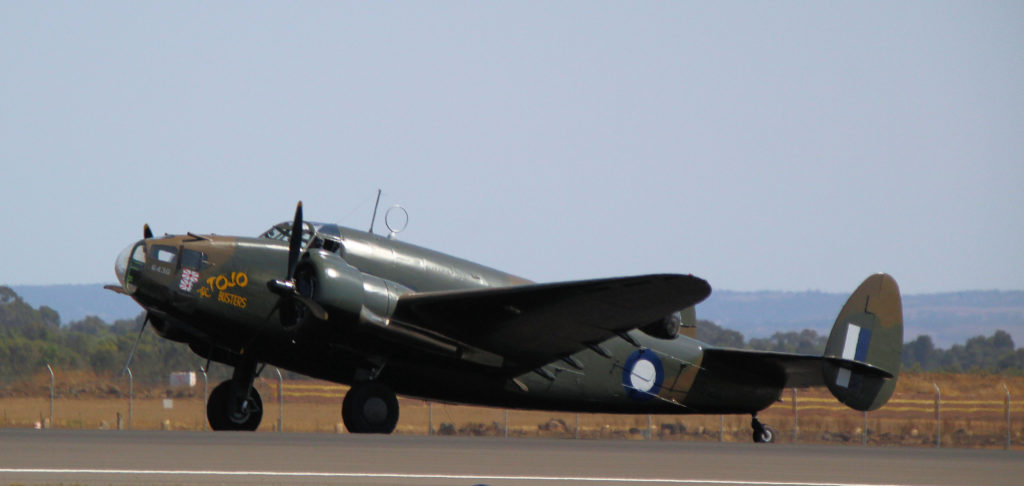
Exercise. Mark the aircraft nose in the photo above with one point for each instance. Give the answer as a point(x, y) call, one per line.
point(121, 265)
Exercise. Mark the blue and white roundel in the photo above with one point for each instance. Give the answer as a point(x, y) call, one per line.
point(642, 375)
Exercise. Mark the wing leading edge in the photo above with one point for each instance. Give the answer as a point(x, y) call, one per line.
point(532, 325)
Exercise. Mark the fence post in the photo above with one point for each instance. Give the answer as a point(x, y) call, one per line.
point(280, 400)
point(48, 367)
point(938, 416)
point(721, 428)
point(506, 423)
point(131, 396)
point(864, 429)
point(205, 396)
point(577, 425)
point(430, 414)
point(1007, 390)
point(648, 434)
point(796, 420)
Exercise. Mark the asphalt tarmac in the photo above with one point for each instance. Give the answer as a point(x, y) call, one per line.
point(180, 458)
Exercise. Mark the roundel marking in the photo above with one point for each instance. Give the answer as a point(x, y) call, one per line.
point(642, 375)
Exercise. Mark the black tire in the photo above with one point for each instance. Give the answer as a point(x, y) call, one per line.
point(764, 436)
point(227, 411)
point(370, 408)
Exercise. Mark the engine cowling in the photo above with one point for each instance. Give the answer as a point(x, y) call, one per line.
point(370, 301)
point(664, 328)
point(342, 287)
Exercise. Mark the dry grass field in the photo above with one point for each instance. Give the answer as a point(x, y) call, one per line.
point(973, 413)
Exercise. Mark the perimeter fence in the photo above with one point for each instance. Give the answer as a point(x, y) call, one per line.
point(927, 410)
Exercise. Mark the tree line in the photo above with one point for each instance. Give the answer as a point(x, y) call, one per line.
point(995, 354)
point(31, 338)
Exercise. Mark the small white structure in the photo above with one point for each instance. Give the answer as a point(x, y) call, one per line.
point(183, 379)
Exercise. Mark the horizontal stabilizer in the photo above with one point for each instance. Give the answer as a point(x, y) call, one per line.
point(784, 370)
point(861, 368)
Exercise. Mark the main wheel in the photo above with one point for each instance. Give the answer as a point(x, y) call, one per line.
point(228, 409)
point(370, 408)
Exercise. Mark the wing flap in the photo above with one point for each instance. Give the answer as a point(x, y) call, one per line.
point(531, 325)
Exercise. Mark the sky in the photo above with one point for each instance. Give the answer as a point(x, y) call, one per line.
point(760, 145)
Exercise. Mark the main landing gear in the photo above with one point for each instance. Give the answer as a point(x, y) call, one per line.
point(370, 407)
point(762, 433)
point(235, 404)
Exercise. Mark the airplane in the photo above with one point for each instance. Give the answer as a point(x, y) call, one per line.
point(385, 317)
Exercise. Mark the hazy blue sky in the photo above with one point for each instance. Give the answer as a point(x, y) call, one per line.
point(770, 145)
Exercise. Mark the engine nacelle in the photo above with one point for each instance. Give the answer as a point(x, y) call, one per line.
point(371, 301)
point(342, 287)
point(664, 328)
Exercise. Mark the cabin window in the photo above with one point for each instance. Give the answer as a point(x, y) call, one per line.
point(163, 253)
point(193, 259)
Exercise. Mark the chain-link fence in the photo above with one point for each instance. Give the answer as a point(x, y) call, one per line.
point(927, 410)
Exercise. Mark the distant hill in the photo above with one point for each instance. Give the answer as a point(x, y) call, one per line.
point(75, 302)
point(949, 318)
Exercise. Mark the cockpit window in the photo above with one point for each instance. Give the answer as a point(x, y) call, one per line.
point(283, 232)
point(163, 253)
point(139, 254)
point(279, 232)
point(329, 243)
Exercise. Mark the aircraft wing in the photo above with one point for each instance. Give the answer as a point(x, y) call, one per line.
point(781, 369)
point(531, 325)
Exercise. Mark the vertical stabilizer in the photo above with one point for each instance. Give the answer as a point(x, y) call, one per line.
point(868, 331)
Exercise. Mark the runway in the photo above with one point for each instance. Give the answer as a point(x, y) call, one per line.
point(153, 457)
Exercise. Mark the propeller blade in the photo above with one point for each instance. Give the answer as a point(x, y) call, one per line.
point(312, 306)
point(287, 288)
point(295, 242)
point(146, 232)
point(136, 345)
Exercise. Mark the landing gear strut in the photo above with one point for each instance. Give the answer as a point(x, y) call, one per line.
point(370, 407)
point(235, 404)
point(762, 433)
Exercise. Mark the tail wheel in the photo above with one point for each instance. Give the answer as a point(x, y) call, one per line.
point(230, 409)
point(370, 408)
point(766, 435)
point(762, 433)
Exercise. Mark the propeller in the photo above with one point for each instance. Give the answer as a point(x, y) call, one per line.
point(288, 289)
point(131, 354)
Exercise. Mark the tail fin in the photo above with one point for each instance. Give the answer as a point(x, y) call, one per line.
point(864, 349)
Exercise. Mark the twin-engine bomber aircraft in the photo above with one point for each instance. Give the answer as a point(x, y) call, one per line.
point(389, 317)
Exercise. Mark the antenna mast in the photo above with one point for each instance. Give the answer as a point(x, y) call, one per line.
point(374, 218)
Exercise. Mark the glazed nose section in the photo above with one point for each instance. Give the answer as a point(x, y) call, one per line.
point(123, 262)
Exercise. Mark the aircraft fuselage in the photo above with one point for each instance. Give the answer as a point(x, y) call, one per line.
point(212, 293)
